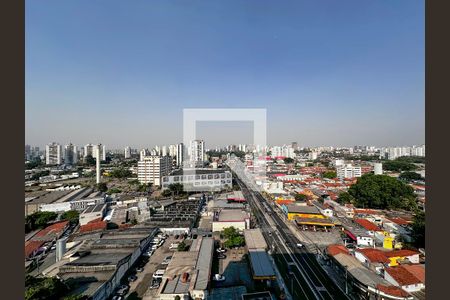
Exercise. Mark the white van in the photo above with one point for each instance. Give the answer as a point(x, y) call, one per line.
point(159, 273)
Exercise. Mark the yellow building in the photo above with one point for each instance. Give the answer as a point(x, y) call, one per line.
point(302, 211)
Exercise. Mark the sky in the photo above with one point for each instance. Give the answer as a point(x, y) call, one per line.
point(339, 73)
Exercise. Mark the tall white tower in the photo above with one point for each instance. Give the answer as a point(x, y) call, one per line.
point(98, 164)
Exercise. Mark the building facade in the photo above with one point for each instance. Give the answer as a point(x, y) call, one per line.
point(70, 154)
point(53, 154)
point(152, 168)
point(348, 171)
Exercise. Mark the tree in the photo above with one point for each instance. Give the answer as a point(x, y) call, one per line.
point(89, 160)
point(39, 220)
point(345, 198)
point(300, 197)
point(134, 221)
point(114, 190)
point(233, 238)
point(410, 176)
point(182, 246)
point(288, 160)
point(121, 173)
point(71, 216)
point(329, 174)
point(418, 229)
point(144, 187)
point(166, 193)
point(381, 192)
point(398, 166)
point(102, 187)
point(230, 232)
point(176, 188)
point(46, 288)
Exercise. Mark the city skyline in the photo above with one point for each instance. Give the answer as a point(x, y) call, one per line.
point(345, 74)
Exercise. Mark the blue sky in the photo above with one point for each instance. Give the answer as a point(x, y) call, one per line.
point(328, 72)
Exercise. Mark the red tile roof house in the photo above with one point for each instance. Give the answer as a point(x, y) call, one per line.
point(409, 279)
point(52, 232)
point(372, 258)
point(378, 259)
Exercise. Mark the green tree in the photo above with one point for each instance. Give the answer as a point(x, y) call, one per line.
point(410, 176)
point(121, 173)
point(102, 187)
point(230, 232)
point(71, 216)
point(182, 246)
point(89, 160)
point(39, 220)
point(329, 174)
point(398, 166)
point(44, 288)
point(176, 188)
point(300, 197)
point(418, 229)
point(288, 160)
point(114, 190)
point(381, 192)
point(345, 197)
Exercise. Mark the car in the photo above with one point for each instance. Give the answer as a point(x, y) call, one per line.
point(218, 277)
point(221, 250)
point(166, 260)
point(350, 246)
point(158, 273)
point(173, 246)
point(140, 269)
point(122, 290)
point(132, 278)
point(160, 243)
point(117, 297)
point(155, 283)
point(299, 245)
point(221, 256)
point(154, 247)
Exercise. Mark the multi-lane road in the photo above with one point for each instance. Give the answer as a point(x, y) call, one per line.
point(302, 274)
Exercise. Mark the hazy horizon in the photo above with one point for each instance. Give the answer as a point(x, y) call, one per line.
point(341, 74)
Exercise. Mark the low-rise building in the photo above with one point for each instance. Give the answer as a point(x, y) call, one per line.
point(238, 219)
point(92, 212)
point(410, 278)
point(199, 179)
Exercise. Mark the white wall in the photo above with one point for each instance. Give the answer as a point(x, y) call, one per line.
point(219, 226)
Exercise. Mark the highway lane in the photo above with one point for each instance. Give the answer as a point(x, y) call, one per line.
point(303, 265)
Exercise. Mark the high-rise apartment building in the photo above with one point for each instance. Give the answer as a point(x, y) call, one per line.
point(53, 154)
point(127, 152)
point(180, 155)
point(70, 154)
point(91, 150)
point(197, 153)
point(152, 168)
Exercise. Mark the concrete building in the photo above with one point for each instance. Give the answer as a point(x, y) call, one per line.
point(197, 153)
point(70, 154)
point(199, 179)
point(348, 171)
point(188, 273)
point(53, 154)
point(92, 212)
point(143, 153)
point(378, 168)
point(238, 219)
point(92, 150)
point(179, 155)
point(127, 152)
point(152, 168)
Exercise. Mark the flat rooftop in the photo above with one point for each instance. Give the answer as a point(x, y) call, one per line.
point(261, 265)
point(303, 209)
point(254, 239)
point(197, 172)
point(94, 208)
point(227, 215)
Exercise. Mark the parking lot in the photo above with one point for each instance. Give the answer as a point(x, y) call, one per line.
point(235, 268)
point(141, 286)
